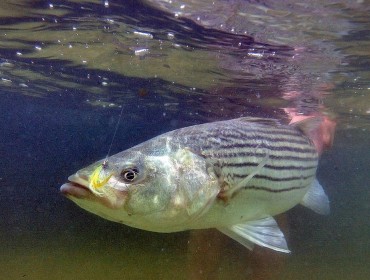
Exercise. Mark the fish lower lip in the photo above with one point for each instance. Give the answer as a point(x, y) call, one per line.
point(75, 190)
point(77, 185)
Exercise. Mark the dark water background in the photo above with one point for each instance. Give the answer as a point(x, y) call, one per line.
point(67, 69)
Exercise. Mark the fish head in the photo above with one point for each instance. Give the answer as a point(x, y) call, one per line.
point(161, 189)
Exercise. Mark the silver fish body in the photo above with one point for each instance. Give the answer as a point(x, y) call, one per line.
point(231, 175)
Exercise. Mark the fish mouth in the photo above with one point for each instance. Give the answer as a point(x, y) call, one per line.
point(76, 187)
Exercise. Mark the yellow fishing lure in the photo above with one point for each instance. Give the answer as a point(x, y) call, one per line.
point(97, 179)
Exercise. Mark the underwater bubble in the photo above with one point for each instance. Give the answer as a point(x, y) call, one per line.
point(143, 34)
point(6, 80)
point(141, 52)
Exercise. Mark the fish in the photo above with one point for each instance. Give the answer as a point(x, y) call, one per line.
point(232, 175)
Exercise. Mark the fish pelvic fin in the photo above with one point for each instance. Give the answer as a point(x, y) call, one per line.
point(264, 232)
point(316, 199)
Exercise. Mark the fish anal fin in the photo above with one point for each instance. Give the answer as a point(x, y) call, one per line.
point(243, 241)
point(316, 199)
point(264, 232)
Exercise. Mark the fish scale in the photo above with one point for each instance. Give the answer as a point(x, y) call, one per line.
point(241, 148)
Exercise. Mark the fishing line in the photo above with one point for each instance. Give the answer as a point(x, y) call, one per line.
point(114, 136)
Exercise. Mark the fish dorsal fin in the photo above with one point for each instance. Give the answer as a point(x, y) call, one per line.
point(308, 125)
point(266, 121)
point(264, 232)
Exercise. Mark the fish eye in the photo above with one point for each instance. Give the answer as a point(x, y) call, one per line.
point(129, 174)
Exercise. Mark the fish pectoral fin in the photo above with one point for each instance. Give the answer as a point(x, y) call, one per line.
point(245, 181)
point(264, 232)
point(316, 199)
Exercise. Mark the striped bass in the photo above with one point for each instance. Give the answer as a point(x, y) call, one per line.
point(231, 175)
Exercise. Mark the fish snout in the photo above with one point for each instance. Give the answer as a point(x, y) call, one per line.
point(75, 190)
point(77, 186)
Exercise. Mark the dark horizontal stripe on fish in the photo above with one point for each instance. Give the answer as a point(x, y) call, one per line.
point(263, 146)
point(263, 130)
point(246, 133)
point(268, 166)
point(269, 178)
point(271, 190)
point(249, 154)
point(232, 139)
